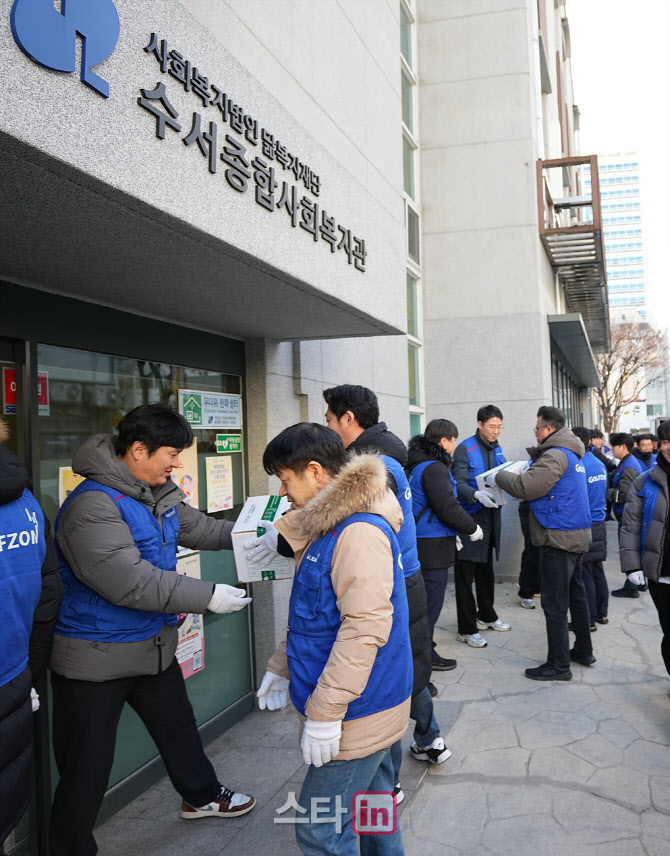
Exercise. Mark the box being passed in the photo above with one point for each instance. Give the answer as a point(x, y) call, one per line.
point(487, 480)
point(258, 508)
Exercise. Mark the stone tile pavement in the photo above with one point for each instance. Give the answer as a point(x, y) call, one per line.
point(580, 768)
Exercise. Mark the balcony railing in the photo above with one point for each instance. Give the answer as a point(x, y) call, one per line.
point(571, 232)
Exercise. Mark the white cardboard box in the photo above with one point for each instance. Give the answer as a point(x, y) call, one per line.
point(487, 480)
point(258, 508)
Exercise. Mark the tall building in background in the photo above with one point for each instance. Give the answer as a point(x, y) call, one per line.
point(623, 230)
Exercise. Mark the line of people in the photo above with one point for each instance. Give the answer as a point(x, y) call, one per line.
point(374, 529)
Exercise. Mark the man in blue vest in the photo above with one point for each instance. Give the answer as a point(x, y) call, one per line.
point(347, 654)
point(644, 451)
point(117, 535)
point(30, 593)
point(645, 535)
point(474, 563)
point(625, 474)
point(353, 413)
point(555, 488)
point(593, 572)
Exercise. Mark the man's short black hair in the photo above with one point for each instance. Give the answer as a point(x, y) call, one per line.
point(663, 430)
point(654, 438)
point(622, 439)
point(641, 437)
point(359, 399)
point(439, 428)
point(488, 412)
point(597, 434)
point(552, 417)
point(154, 425)
point(584, 435)
point(299, 444)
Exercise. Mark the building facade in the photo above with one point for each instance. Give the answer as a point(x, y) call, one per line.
point(252, 201)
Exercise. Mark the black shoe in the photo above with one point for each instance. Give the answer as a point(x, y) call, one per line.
point(546, 672)
point(643, 587)
point(432, 689)
point(624, 592)
point(582, 659)
point(441, 664)
point(603, 619)
point(593, 627)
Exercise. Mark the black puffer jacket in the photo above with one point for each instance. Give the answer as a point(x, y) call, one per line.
point(598, 551)
point(438, 552)
point(380, 440)
point(16, 718)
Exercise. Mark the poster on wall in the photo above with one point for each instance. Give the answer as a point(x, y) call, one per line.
point(67, 482)
point(186, 476)
point(9, 392)
point(219, 483)
point(210, 409)
point(191, 645)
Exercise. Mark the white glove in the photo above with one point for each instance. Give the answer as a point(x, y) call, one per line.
point(264, 548)
point(459, 544)
point(272, 692)
point(34, 700)
point(227, 599)
point(478, 534)
point(485, 498)
point(636, 577)
point(320, 741)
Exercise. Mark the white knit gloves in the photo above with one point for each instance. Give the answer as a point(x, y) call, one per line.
point(272, 692)
point(320, 741)
point(227, 599)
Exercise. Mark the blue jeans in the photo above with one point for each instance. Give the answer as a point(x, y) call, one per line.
point(425, 731)
point(372, 773)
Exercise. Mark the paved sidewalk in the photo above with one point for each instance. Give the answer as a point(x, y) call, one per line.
point(580, 768)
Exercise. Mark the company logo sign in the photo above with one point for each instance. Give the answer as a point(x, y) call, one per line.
point(49, 37)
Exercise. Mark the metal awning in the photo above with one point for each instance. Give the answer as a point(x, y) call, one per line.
point(569, 333)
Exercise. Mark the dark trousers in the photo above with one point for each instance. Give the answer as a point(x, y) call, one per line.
point(529, 576)
point(563, 588)
point(597, 592)
point(435, 580)
point(85, 718)
point(660, 594)
point(468, 610)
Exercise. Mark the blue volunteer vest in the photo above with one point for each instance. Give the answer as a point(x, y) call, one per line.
point(596, 482)
point(314, 621)
point(566, 505)
point(427, 524)
point(633, 462)
point(407, 535)
point(84, 614)
point(477, 465)
point(649, 494)
point(646, 465)
point(22, 551)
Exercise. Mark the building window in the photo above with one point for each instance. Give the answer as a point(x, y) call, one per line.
point(408, 166)
point(412, 307)
point(407, 89)
point(415, 424)
point(414, 374)
point(405, 35)
point(413, 236)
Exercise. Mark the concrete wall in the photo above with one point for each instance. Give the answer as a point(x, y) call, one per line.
point(488, 285)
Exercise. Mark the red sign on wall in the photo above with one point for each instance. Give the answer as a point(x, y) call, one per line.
point(9, 392)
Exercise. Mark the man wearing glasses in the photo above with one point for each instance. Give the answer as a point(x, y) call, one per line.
point(555, 488)
point(474, 563)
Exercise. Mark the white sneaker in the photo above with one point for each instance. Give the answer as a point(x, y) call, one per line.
point(436, 753)
point(498, 624)
point(227, 804)
point(474, 640)
point(398, 793)
point(527, 602)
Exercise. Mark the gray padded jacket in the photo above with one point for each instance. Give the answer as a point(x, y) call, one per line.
point(629, 539)
point(549, 464)
point(98, 545)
